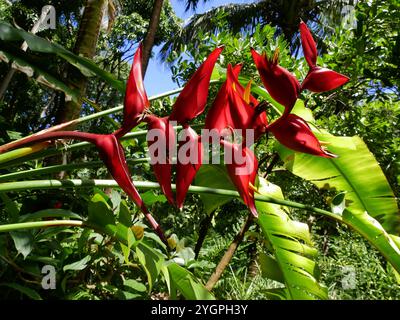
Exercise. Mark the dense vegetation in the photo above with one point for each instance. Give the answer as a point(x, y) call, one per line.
point(108, 251)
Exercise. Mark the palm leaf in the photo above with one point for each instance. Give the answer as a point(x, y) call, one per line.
point(292, 254)
point(38, 44)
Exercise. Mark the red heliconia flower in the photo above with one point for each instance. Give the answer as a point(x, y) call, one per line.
point(279, 82)
point(243, 172)
point(190, 156)
point(161, 158)
point(323, 79)
point(308, 44)
point(294, 133)
point(235, 108)
point(318, 79)
point(193, 98)
point(136, 101)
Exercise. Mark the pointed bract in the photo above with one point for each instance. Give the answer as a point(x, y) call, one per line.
point(295, 134)
point(282, 85)
point(135, 101)
point(309, 45)
point(193, 98)
point(187, 165)
point(161, 160)
point(323, 79)
point(243, 173)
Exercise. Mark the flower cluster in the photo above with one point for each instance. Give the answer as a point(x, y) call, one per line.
point(233, 108)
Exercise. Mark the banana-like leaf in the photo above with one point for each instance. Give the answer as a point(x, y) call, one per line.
point(38, 44)
point(355, 172)
point(292, 253)
point(38, 73)
point(373, 231)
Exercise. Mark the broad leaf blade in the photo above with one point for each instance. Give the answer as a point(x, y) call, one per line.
point(356, 172)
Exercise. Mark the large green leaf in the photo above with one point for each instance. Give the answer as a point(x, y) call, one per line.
point(355, 172)
point(292, 255)
point(38, 44)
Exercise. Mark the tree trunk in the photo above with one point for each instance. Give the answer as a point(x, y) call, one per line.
point(85, 45)
point(151, 34)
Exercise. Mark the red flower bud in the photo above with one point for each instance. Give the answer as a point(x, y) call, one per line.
point(243, 172)
point(161, 153)
point(190, 156)
point(322, 80)
point(193, 98)
point(280, 83)
point(294, 133)
point(136, 101)
point(308, 44)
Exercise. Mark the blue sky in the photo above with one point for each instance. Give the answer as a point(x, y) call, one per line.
point(158, 75)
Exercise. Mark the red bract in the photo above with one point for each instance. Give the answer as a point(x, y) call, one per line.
point(243, 172)
point(322, 80)
point(193, 98)
point(308, 44)
point(190, 156)
point(318, 79)
point(243, 107)
point(294, 133)
point(280, 83)
point(219, 116)
point(161, 154)
point(136, 101)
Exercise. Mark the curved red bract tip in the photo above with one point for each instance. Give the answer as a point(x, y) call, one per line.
point(295, 134)
point(135, 101)
point(323, 79)
point(309, 45)
point(282, 85)
point(193, 98)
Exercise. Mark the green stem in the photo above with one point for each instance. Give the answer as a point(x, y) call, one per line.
point(41, 224)
point(147, 185)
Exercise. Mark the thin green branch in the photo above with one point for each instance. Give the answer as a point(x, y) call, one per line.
point(57, 168)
